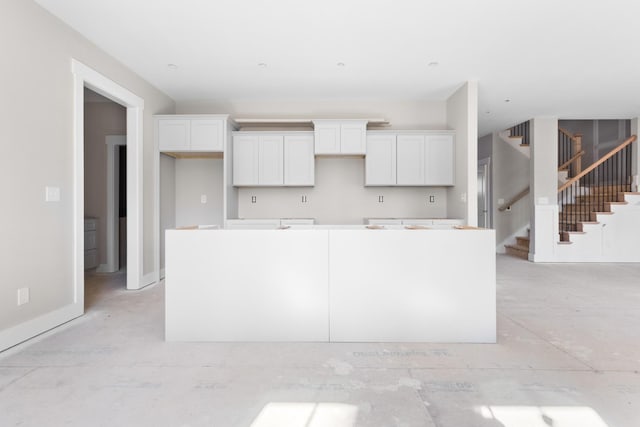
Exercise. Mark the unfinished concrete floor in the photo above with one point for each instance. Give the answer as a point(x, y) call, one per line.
point(568, 355)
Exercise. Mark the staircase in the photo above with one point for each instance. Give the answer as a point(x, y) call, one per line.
point(585, 195)
point(521, 248)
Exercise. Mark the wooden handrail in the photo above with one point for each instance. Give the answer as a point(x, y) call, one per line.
point(598, 163)
point(571, 160)
point(517, 197)
point(567, 133)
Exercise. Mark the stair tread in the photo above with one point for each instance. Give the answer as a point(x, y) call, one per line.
point(518, 247)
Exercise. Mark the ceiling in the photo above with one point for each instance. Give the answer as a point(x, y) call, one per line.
point(569, 58)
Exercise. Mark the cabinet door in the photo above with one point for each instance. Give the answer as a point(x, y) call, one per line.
point(380, 161)
point(353, 138)
point(173, 135)
point(410, 160)
point(299, 160)
point(439, 161)
point(207, 135)
point(245, 160)
point(327, 137)
point(271, 159)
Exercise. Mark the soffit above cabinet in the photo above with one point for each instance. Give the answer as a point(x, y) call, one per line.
point(249, 122)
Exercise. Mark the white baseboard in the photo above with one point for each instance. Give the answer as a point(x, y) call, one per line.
point(106, 268)
point(14, 335)
point(148, 279)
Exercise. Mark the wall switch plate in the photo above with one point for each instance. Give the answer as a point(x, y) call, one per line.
point(253, 199)
point(501, 201)
point(203, 198)
point(380, 199)
point(303, 199)
point(432, 199)
point(52, 194)
point(23, 296)
point(463, 197)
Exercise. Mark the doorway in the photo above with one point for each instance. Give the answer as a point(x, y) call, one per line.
point(89, 78)
point(484, 188)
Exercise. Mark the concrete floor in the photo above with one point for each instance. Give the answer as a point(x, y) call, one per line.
point(568, 356)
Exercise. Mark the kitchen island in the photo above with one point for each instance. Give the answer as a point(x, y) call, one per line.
point(331, 283)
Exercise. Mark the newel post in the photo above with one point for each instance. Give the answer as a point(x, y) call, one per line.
point(577, 147)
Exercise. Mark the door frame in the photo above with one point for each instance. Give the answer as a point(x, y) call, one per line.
point(485, 164)
point(84, 76)
point(113, 142)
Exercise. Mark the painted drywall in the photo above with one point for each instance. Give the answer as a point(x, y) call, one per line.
point(544, 182)
point(340, 197)
point(598, 136)
point(101, 119)
point(510, 175)
point(167, 199)
point(196, 178)
point(462, 115)
point(36, 249)
point(402, 114)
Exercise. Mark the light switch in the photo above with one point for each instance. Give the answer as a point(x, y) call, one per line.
point(203, 198)
point(432, 199)
point(23, 296)
point(501, 201)
point(52, 194)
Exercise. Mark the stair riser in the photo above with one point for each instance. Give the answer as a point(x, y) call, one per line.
point(517, 253)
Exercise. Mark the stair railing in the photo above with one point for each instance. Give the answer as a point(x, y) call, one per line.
point(570, 152)
point(521, 130)
point(589, 190)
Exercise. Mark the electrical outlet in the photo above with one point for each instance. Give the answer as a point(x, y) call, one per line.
point(203, 198)
point(23, 296)
point(52, 194)
point(254, 199)
point(432, 199)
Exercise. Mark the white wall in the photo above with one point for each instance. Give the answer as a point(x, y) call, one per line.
point(403, 114)
point(195, 178)
point(510, 175)
point(167, 199)
point(340, 197)
point(544, 188)
point(462, 115)
point(36, 248)
point(101, 119)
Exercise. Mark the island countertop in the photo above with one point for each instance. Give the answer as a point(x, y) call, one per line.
point(331, 283)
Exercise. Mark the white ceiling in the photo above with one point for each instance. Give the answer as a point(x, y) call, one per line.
point(570, 58)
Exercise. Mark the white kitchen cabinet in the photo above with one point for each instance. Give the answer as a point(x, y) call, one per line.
point(245, 160)
point(174, 134)
point(410, 160)
point(273, 159)
point(380, 161)
point(270, 160)
point(439, 161)
point(340, 136)
point(299, 160)
point(207, 135)
point(182, 133)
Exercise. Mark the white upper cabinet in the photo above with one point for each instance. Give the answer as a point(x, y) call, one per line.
point(410, 164)
point(191, 133)
point(299, 160)
point(245, 159)
point(439, 160)
point(174, 134)
point(410, 158)
point(273, 159)
point(340, 136)
point(270, 160)
point(380, 161)
point(207, 135)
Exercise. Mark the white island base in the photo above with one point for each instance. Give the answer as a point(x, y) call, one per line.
point(331, 284)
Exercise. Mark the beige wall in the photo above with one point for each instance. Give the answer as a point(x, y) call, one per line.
point(403, 114)
point(36, 248)
point(462, 115)
point(100, 119)
point(340, 197)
